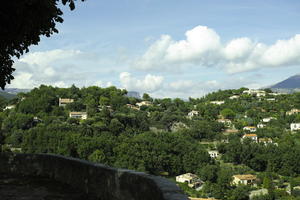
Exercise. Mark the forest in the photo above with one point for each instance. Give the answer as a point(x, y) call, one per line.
point(165, 137)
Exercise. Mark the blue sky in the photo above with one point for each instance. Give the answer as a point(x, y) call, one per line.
point(168, 48)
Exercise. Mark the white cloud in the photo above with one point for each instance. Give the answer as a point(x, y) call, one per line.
point(37, 68)
point(46, 57)
point(150, 83)
point(203, 47)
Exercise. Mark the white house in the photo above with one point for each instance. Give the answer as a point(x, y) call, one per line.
point(234, 97)
point(9, 107)
point(261, 125)
point(271, 99)
point(265, 140)
point(251, 129)
point(192, 180)
point(258, 93)
point(244, 179)
point(226, 122)
point(78, 115)
point(268, 119)
point(295, 126)
point(64, 102)
point(192, 114)
point(250, 136)
point(293, 111)
point(213, 153)
point(217, 102)
point(144, 103)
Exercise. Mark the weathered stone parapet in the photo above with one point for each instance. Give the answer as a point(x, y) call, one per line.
point(98, 181)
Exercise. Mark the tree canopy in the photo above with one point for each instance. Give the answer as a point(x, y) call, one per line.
point(22, 25)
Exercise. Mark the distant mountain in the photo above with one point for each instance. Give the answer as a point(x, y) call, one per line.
point(7, 95)
point(133, 94)
point(292, 82)
point(15, 90)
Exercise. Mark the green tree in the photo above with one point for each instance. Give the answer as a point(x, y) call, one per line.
point(228, 113)
point(22, 25)
point(97, 156)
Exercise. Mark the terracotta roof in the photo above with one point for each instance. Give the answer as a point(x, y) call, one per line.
point(250, 135)
point(191, 198)
point(245, 176)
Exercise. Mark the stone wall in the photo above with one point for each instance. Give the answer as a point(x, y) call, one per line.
point(98, 181)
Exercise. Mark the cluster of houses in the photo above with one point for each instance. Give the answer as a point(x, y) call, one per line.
point(76, 115)
point(193, 181)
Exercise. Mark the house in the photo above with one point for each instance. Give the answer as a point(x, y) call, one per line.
point(250, 136)
point(251, 129)
point(265, 140)
point(234, 97)
point(295, 126)
point(230, 131)
point(217, 102)
point(176, 126)
point(268, 119)
point(192, 114)
point(64, 102)
point(192, 180)
point(78, 115)
point(244, 179)
point(213, 153)
point(261, 125)
point(9, 107)
point(271, 99)
point(258, 93)
point(192, 198)
point(144, 103)
point(132, 107)
point(226, 122)
point(259, 192)
point(293, 111)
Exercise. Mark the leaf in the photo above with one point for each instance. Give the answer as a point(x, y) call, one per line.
point(72, 5)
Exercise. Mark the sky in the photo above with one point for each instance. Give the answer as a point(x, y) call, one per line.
point(168, 48)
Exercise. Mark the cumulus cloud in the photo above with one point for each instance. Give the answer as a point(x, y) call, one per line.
point(38, 68)
point(203, 47)
point(150, 83)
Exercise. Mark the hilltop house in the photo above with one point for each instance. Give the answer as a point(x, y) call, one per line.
point(64, 102)
point(144, 103)
point(217, 102)
point(268, 119)
point(293, 111)
point(261, 125)
point(258, 93)
point(78, 115)
point(192, 180)
point(295, 126)
point(226, 122)
point(132, 107)
point(250, 136)
point(9, 107)
point(265, 140)
point(251, 129)
point(213, 153)
point(234, 97)
point(192, 114)
point(244, 179)
point(230, 131)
